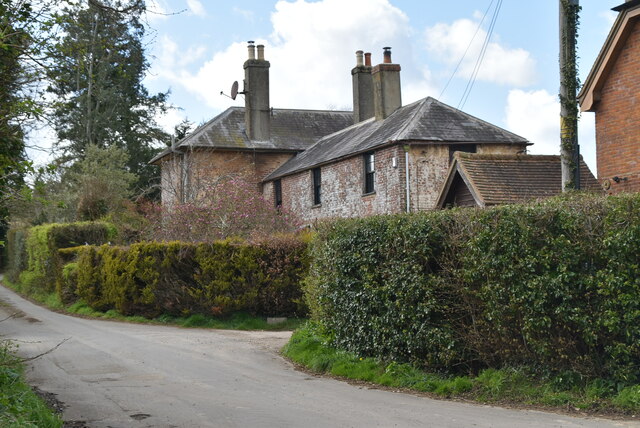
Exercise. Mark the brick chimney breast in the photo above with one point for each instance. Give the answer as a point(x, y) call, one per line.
point(362, 88)
point(257, 113)
point(387, 96)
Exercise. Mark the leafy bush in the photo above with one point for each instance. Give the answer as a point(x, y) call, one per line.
point(553, 285)
point(177, 278)
point(34, 251)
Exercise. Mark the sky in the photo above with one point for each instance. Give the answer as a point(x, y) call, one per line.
point(196, 49)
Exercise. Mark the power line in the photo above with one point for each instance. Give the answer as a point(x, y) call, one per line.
point(486, 12)
point(481, 56)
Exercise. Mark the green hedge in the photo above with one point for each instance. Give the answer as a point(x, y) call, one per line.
point(553, 285)
point(33, 252)
point(220, 278)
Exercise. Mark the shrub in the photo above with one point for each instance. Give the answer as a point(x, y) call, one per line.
point(177, 278)
point(34, 251)
point(553, 284)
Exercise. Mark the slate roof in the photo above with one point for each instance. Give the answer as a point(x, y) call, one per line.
point(506, 179)
point(291, 130)
point(427, 120)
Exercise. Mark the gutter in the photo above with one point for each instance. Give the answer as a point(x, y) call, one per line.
point(406, 177)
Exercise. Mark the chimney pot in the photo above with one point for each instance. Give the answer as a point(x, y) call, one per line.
point(261, 52)
point(252, 50)
point(386, 83)
point(367, 59)
point(359, 61)
point(387, 55)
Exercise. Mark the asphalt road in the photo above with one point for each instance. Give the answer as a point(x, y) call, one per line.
point(112, 374)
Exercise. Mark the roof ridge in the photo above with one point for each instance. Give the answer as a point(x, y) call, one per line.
point(312, 110)
point(503, 156)
point(470, 116)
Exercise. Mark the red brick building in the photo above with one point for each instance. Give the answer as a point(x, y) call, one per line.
point(612, 91)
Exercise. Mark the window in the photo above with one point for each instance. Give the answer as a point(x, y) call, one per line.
point(277, 193)
point(316, 186)
point(369, 173)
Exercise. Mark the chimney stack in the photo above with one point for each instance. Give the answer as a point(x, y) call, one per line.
point(362, 88)
point(386, 87)
point(257, 114)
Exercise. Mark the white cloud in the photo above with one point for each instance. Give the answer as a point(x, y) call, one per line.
point(502, 65)
point(196, 8)
point(170, 119)
point(535, 115)
point(312, 51)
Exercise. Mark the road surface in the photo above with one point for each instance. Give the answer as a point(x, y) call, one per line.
point(112, 374)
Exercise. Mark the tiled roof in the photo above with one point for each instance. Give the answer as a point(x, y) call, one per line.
point(427, 120)
point(291, 130)
point(505, 179)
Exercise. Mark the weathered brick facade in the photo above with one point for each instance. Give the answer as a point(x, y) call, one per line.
point(618, 120)
point(343, 188)
point(343, 183)
point(200, 168)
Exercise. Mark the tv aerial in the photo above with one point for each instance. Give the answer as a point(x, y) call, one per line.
point(234, 91)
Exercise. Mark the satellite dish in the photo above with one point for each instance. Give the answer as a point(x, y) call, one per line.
point(234, 90)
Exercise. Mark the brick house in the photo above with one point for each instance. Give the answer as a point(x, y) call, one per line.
point(482, 180)
point(320, 164)
point(251, 141)
point(612, 91)
point(394, 159)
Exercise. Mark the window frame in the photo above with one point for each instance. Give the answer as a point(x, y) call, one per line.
point(369, 173)
point(316, 186)
point(277, 193)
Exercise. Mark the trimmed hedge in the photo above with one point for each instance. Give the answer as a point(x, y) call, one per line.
point(553, 285)
point(33, 253)
point(152, 278)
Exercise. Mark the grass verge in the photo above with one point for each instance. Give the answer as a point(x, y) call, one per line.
point(237, 321)
point(511, 386)
point(19, 405)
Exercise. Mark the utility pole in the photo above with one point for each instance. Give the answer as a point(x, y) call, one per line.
point(569, 148)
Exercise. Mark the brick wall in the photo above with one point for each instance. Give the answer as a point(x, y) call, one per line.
point(343, 187)
point(343, 183)
point(169, 180)
point(207, 166)
point(618, 119)
point(429, 165)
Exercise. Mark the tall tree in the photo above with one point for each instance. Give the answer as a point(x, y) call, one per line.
point(16, 42)
point(98, 68)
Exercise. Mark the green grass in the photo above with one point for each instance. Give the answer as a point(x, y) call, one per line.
point(19, 405)
point(309, 346)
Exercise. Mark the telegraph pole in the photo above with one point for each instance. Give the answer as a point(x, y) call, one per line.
point(569, 148)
